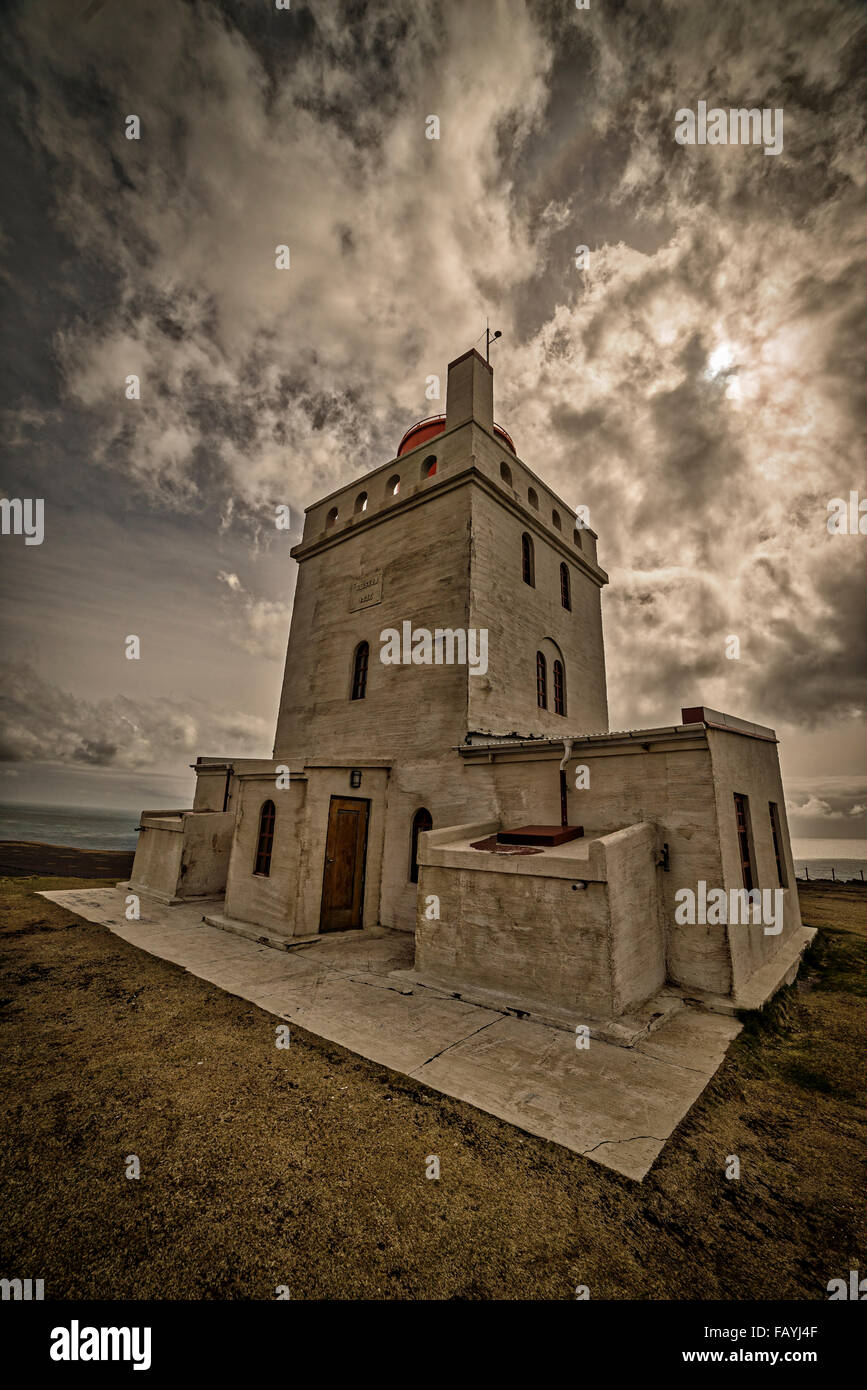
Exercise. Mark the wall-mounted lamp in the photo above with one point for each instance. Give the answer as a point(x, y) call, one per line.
point(355, 777)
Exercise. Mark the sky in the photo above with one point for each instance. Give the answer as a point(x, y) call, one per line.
point(696, 379)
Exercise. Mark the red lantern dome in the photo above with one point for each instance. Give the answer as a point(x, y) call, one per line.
point(424, 430)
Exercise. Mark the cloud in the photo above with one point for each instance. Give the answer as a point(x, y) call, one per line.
point(39, 722)
point(832, 803)
point(257, 625)
point(250, 373)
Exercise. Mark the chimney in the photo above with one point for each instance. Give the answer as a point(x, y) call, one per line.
point(470, 392)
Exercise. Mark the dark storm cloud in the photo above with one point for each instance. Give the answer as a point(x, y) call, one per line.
point(699, 386)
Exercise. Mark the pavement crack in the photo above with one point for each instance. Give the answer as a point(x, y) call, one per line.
point(372, 982)
point(667, 1062)
point(450, 1045)
point(631, 1140)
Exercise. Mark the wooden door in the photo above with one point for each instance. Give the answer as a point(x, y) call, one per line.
point(345, 849)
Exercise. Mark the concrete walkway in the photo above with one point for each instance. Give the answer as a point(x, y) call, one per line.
point(617, 1105)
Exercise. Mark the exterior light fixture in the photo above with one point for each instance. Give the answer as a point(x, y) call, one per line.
point(355, 777)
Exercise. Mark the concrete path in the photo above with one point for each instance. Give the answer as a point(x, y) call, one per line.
point(617, 1105)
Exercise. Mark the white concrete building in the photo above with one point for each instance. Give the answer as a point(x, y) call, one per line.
point(391, 779)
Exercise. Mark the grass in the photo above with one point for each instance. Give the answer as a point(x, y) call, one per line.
point(306, 1167)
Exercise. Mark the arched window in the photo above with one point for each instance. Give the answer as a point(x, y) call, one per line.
point(533, 498)
point(422, 820)
point(555, 517)
point(265, 840)
point(528, 568)
point(429, 467)
point(392, 487)
point(359, 671)
point(331, 517)
point(565, 589)
point(361, 502)
point(541, 681)
point(576, 536)
point(559, 689)
point(506, 474)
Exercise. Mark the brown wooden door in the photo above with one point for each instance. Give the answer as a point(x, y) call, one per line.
point(343, 880)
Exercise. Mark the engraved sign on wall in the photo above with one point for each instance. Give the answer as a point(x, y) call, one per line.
point(365, 592)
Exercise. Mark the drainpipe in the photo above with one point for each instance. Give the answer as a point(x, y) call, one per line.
point(564, 814)
point(229, 774)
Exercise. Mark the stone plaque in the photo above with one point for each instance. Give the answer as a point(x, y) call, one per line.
point(366, 592)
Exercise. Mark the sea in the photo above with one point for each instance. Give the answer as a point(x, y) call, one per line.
point(87, 827)
point(840, 859)
point(83, 827)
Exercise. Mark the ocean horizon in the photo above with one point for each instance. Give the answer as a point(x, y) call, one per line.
point(81, 827)
point(89, 827)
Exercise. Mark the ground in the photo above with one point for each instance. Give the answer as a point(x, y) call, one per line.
point(306, 1167)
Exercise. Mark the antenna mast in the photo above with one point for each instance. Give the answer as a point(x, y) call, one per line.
point(489, 338)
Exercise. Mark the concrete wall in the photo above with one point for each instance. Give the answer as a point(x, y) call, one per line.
point(637, 935)
point(210, 786)
point(182, 854)
point(450, 795)
point(576, 928)
point(287, 901)
point(532, 939)
point(268, 901)
point(207, 841)
point(157, 864)
point(519, 618)
point(448, 550)
point(751, 767)
point(422, 553)
point(322, 784)
point(670, 783)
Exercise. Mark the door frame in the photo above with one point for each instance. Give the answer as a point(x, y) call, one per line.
point(360, 801)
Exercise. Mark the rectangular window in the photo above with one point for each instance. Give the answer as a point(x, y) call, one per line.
point(266, 839)
point(359, 674)
point(541, 681)
point(559, 694)
point(742, 817)
point(776, 832)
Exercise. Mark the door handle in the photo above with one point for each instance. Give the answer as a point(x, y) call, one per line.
point(328, 861)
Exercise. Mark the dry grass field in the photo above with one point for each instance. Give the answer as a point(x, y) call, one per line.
point(262, 1167)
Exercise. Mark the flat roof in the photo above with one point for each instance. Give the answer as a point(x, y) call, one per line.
point(705, 719)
